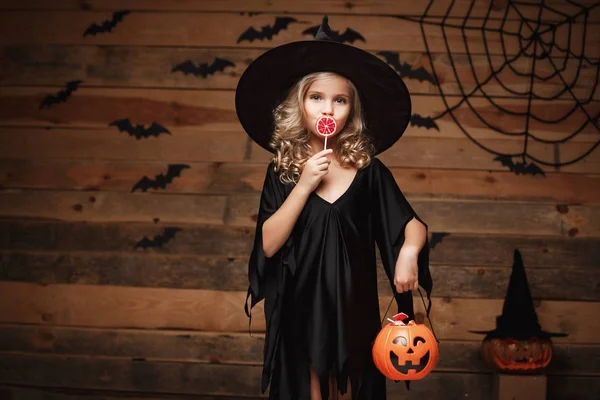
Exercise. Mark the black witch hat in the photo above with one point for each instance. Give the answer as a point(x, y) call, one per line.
point(267, 80)
point(519, 319)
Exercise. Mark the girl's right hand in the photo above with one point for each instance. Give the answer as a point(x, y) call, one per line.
point(314, 170)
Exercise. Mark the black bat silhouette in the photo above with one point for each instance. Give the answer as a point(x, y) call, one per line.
point(406, 70)
point(436, 238)
point(61, 96)
point(267, 31)
point(157, 240)
point(138, 130)
point(188, 67)
point(108, 25)
point(520, 167)
point(161, 180)
point(349, 35)
point(424, 122)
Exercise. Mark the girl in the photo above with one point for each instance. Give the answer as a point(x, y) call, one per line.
point(321, 213)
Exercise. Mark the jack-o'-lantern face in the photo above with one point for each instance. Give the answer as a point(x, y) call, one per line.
point(405, 352)
point(511, 355)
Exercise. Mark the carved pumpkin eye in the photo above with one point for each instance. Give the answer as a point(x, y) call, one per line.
point(402, 340)
point(418, 340)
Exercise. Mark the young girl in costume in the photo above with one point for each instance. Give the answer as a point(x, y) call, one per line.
point(321, 213)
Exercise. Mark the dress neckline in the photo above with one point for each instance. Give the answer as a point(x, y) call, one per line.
point(340, 197)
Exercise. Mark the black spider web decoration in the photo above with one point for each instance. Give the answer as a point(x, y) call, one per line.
point(537, 47)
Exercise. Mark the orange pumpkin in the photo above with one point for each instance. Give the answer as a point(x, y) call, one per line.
point(522, 356)
point(405, 351)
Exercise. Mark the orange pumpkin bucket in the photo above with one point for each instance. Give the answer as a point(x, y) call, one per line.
point(405, 351)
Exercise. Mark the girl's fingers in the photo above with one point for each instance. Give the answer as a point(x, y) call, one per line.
point(322, 153)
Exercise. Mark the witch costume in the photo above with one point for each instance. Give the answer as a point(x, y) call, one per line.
point(320, 289)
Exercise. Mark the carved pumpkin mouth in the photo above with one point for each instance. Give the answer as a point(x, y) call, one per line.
point(408, 365)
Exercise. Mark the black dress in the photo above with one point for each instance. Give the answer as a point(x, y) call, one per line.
point(320, 289)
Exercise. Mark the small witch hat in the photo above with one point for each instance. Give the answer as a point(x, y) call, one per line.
point(519, 319)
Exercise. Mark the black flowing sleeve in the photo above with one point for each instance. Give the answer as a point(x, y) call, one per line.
point(267, 275)
point(392, 212)
point(261, 268)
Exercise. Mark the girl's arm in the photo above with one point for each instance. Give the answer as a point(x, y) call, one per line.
point(278, 228)
point(406, 276)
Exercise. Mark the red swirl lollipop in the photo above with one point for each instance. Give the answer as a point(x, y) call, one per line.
point(326, 126)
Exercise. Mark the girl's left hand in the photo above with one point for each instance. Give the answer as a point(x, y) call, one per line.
point(406, 276)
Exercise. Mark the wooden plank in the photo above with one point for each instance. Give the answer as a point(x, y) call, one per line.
point(573, 388)
point(200, 29)
point(152, 67)
point(209, 144)
point(18, 392)
point(469, 217)
point(207, 240)
point(107, 206)
point(236, 242)
point(238, 348)
point(518, 218)
point(186, 145)
point(454, 9)
point(159, 308)
point(186, 378)
point(229, 178)
point(90, 107)
point(520, 387)
point(230, 274)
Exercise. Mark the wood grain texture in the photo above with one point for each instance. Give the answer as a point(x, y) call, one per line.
point(460, 216)
point(230, 274)
point(238, 348)
point(106, 206)
point(159, 308)
point(229, 178)
point(519, 218)
point(209, 144)
point(186, 378)
point(219, 144)
point(231, 241)
point(90, 107)
point(202, 29)
point(18, 392)
point(153, 67)
point(454, 9)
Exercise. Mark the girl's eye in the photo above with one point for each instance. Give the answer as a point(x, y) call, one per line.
point(341, 100)
point(315, 97)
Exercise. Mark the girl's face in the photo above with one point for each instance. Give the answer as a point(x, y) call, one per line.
point(328, 96)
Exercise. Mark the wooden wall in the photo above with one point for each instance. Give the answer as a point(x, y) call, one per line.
point(87, 311)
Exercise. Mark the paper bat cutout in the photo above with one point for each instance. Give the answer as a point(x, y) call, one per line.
point(61, 96)
point(138, 130)
point(423, 122)
point(157, 240)
point(188, 67)
point(160, 181)
point(520, 167)
point(108, 25)
point(436, 238)
point(405, 70)
point(267, 31)
point(349, 35)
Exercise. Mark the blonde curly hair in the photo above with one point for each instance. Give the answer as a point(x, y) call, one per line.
point(290, 139)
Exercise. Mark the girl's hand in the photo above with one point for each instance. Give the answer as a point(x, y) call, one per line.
point(314, 170)
point(406, 275)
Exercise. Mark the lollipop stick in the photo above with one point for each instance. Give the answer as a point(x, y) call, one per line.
point(325, 148)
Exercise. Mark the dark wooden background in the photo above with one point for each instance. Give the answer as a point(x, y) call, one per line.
point(84, 314)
